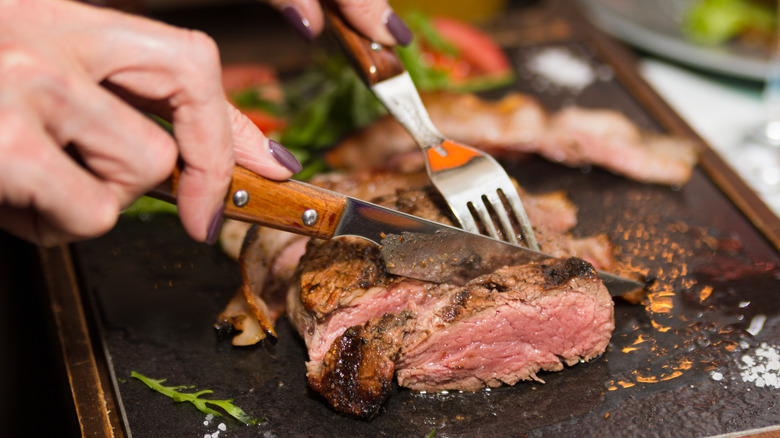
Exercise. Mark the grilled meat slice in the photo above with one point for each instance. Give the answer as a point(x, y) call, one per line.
point(507, 326)
point(518, 125)
point(498, 329)
point(269, 257)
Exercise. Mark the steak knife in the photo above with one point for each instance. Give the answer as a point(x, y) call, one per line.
point(411, 246)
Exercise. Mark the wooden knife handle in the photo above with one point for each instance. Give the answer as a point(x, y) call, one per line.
point(373, 62)
point(289, 205)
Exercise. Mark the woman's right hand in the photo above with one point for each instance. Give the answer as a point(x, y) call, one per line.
point(74, 147)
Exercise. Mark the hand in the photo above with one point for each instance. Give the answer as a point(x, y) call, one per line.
point(373, 18)
point(75, 151)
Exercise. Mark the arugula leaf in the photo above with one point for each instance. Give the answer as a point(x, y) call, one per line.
point(422, 26)
point(325, 103)
point(424, 77)
point(194, 398)
point(145, 205)
point(251, 99)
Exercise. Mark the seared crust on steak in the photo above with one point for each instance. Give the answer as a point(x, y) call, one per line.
point(269, 257)
point(498, 329)
point(357, 372)
point(336, 270)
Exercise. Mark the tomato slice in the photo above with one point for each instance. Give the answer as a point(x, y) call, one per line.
point(239, 77)
point(475, 47)
point(267, 122)
point(476, 62)
point(263, 84)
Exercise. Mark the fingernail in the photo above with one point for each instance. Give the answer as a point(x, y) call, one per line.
point(284, 157)
point(398, 29)
point(215, 225)
point(300, 24)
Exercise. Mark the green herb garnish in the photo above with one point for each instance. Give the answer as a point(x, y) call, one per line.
point(325, 103)
point(145, 206)
point(250, 98)
point(194, 398)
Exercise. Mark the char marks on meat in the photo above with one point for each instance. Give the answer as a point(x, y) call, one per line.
point(517, 125)
point(357, 371)
point(363, 326)
point(497, 329)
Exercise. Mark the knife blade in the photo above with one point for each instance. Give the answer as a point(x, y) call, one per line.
point(411, 246)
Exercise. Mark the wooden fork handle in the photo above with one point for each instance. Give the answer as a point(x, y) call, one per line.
point(373, 62)
point(289, 205)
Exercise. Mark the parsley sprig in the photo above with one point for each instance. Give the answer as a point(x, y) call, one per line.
point(194, 398)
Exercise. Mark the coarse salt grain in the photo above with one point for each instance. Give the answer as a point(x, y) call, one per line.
point(762, 368)
point(222, 427)
point(717, 376)
point(562, 68)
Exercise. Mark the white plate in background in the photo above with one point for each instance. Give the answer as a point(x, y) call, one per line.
point(655, 26)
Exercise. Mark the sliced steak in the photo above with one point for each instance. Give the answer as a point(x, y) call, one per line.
point(507, 326)
point(362, 326)
point(498, 329)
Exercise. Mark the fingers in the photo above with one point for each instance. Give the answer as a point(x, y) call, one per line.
point(305, 16)
point(373, 18)
point(259, 154)
point(127, 152)
point(181, 68)
point(38, 184)
point(208, 148)
point(376, 20)
point(48, 102)
point(50, 69)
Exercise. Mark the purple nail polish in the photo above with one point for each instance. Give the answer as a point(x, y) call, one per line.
point(399, 29)
point(284, 157)
point(215, 225)
point(300, 24)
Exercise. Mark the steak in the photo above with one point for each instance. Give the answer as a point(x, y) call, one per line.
point(362, 326)
point(497, 329)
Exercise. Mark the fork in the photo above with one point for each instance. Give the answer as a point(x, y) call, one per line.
point(473, 183)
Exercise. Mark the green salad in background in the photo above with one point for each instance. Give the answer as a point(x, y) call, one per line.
point(748, 22)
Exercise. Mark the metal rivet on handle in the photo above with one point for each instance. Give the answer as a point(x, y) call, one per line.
point(309, 217)
point(376, 46)
point(240, 198)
